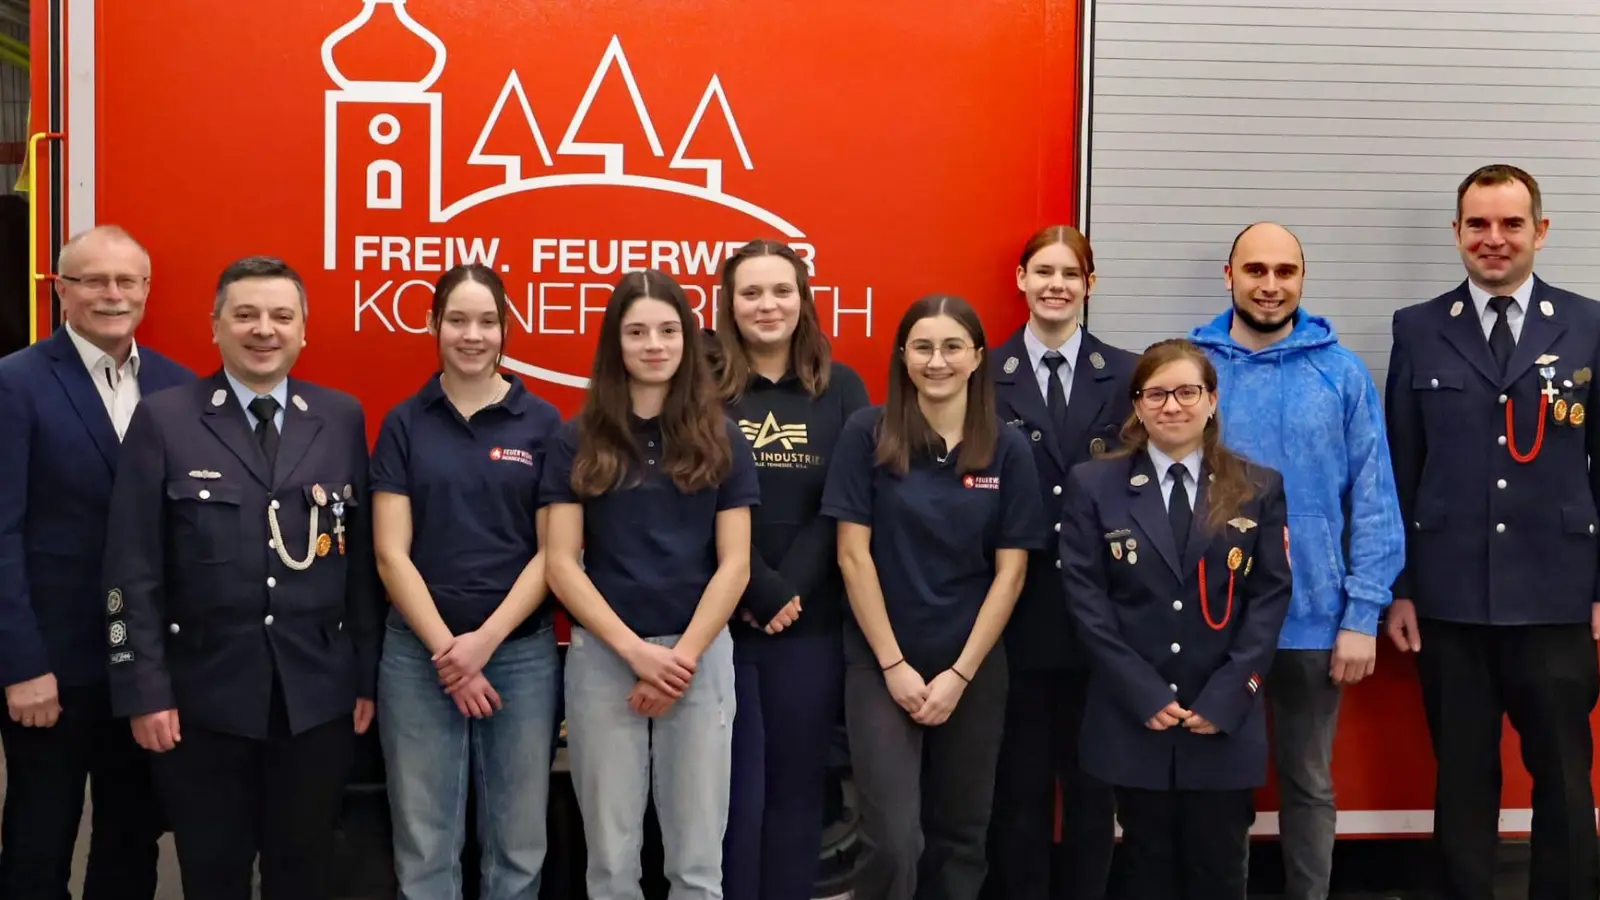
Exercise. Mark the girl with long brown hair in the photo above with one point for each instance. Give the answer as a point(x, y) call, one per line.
point(938, 506)
point(776, 376)
point(651, 484)
point(1175, 562)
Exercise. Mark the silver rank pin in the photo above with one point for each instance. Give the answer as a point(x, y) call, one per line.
point(219, 397)
point(1011, 365)
point(204, 474)
point(1096, 360)
point(1546, 307)
point(299, 403)
point(1139, 480)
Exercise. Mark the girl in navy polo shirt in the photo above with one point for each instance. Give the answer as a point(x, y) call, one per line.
point(776, 375)
point(938, 505)
point(652, 484)
point(468, 680)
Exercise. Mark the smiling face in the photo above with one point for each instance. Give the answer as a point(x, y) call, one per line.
point(470, 332)
point(260, 329)
point(1055, 285)
point(1498, 233)
point(652, 341)
point(103, 285)
point(1266, 275)
point(940, 357)
point(766, 301)
point(1174, 406)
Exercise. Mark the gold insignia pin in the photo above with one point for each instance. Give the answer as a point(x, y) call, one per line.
point(299, 403)
point(1455, 309)
point(1097, 446)
point(1011, 365)
point(1546, 359)
point(1582, 376)
point(114, 601)
point(1546, 307)
point(319, 495)
point(1096, 360)
point(1576, 415)
point(1242, 523)
point(1247, 564)
point(1235, 559)
point(219, 397)
point(1139, 480)
point(1116, 550)
point(1561, 411)
point(324, 544)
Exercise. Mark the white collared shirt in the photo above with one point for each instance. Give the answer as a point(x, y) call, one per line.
point(1036, 351)
point(1163, 464)
point(118, 385)
point(1515, 313)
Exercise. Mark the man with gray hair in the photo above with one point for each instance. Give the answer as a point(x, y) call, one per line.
point(64, 407)
point(243, 599)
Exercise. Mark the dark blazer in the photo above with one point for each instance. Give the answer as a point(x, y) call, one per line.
point(203, 610)
point(1485, 527)
point(1040, 634)
point(58, 455)
point(1137, 602)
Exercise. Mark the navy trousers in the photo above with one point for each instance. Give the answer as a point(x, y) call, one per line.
point(789, 690)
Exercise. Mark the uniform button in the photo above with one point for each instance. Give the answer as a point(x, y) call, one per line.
point(1058, 563)
point(652, 462)
point(1501, 528)
point(650, 443)
point(1501, 484)
point(1175, 647)
point(1503, 399)
point(1434, 383)
point(205, 495)
point(1502, 440)
point(1591, 529)
point(1173, 687)
point(267, 620)
point(173, 628)
point(272, 582)
point(1177, 604)
point(1058, 528)
point(1056, 490)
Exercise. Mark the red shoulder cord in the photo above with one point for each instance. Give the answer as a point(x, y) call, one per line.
point(1538, 438)
point(1205, 601)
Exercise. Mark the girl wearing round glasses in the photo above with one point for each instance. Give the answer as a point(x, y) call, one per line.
point(1068, 392)
point(1175, 560)
point(938, 505)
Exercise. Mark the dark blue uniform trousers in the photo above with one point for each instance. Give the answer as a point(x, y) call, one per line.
point(789, 689)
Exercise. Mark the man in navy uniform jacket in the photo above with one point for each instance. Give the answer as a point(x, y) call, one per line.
point(1490, 393)
point(64, 405)
point(243, 599)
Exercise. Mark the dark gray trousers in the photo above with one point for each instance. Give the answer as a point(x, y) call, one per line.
point(1304, 704)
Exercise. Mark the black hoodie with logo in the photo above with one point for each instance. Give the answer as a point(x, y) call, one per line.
point(792, 436)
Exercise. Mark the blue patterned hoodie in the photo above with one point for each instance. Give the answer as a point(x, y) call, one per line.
point(1309, 408)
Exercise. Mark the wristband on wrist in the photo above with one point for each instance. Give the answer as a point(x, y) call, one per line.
point(960, 676)
point(893, 664)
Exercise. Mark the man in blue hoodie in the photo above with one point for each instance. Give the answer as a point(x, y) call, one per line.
point(1294, 399)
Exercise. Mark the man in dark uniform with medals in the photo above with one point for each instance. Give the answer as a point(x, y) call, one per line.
point(243, 599)
point(1489, 399)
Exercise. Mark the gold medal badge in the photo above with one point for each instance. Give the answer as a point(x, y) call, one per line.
point(1576, 415)
point(1235, 559)
point(324, 544)
point(1116, 550)
point(1561, 410)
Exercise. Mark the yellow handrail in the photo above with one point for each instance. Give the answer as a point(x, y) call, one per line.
point(34, 275)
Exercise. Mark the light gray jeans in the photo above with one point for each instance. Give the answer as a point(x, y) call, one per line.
point(620, 760)
point(1304, 704)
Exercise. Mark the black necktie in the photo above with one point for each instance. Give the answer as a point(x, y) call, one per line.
point(1056, 396)
point(265, 409)
point(1178, 511)
point(1501, 343)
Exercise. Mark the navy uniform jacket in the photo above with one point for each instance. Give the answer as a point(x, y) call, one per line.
point(202, 609)
point(58, 455)
point(1493, 540)
point(1040, 633)
point(1138, 606)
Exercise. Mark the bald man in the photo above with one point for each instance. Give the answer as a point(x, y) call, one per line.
point(64, 404)
point(1295, 400)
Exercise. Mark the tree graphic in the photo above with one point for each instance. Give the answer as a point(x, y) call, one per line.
point(512, 158)
point(612, 152)
point(712, 165)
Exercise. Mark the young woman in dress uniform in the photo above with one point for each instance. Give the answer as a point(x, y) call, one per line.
point(652, 484)
point(1175, 560)
point(468, 682)
point(938, 505)
point(776, 375)
point(1068, 391)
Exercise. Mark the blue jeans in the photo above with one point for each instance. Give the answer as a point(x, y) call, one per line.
point(430, 749)
point(620, 760)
